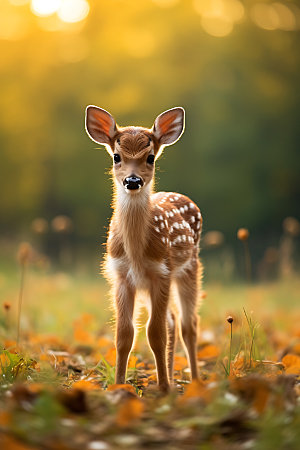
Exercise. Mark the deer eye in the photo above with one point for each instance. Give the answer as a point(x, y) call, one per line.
point(150, 159)
point(117, 158)
point(118, 141)
point(149, 142)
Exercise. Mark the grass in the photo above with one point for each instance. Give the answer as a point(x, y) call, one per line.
point(57, 385)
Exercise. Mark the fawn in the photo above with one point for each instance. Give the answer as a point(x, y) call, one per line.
point(153, 241)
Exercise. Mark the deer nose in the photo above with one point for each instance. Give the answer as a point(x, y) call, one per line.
point(133, 182)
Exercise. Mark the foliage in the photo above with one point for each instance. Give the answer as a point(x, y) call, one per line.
point(64, 394)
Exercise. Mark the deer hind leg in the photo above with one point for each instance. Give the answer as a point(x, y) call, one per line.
point(157, 329)
point(125, 294)
point(172, 338)
point(187, 285)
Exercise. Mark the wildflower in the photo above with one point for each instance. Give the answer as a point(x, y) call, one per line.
point(39, 225)
point(213, 239)
point(243, 234)
point(62, 224)
point(291, 226)
point(6, 306)
point(24, 253)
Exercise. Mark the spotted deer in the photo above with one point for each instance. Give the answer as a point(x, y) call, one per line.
point(153, 241)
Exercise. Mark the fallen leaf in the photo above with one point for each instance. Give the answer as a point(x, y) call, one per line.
point(85, 385)
point(291, 361)
point(130, 411)
point(180, 362)
point(111, 356)
point(208, 352)
point(126, 387)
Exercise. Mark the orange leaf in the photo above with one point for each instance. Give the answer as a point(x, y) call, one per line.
point(5, 418)
point(152, 377)
point(132, 362)
point(82, 335)
point(208, 352)
point(180, 362)
point(197, 389)
point(103, 342)
point(295, 370)
point(129, 412)
point(110, 356)
point(85, 385)
point(291, 360)
point(140, 365)
point(126, 387)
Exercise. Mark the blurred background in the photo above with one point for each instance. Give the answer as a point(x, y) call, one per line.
point(232, 64)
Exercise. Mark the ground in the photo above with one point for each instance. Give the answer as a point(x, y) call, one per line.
point(57, 386)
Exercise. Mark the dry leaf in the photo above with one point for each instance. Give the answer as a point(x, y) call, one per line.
point(130, 411)
point(126, 387)
point(85, 385)
point(180, 362)
point(290, 361)
point(111, 356)
point(208, 352)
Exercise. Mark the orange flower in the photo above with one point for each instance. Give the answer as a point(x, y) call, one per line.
point(243, 234)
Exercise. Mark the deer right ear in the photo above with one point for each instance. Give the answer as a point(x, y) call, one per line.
point(100, 126)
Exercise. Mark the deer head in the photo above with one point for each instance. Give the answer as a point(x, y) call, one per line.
point(134, 150)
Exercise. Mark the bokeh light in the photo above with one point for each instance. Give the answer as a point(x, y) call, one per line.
point(274, 16)
point(71, 11)
point(219, 16)
point(44, 7)
point(18, 2)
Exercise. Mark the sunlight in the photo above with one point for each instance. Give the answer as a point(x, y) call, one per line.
point(45, 7)
point(219, 16)
point(72, 11)
point(18, 2)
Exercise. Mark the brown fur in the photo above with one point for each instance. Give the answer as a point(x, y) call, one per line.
point(153, 242)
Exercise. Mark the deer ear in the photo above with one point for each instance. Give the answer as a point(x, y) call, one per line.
point(100, 126)
point(169, 126)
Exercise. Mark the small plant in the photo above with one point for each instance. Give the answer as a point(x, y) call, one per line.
point(24, 255)
point(243, 235)
point(13, 366)
point(230, 321)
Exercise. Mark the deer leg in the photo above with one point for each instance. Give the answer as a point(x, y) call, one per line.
point(157, 329)
point(172, 337)
point(187, 286)
point(125, 295)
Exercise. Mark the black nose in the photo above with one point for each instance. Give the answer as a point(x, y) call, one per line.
point(133, 182)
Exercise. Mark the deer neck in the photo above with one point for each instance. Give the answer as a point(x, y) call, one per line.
point(132, 213)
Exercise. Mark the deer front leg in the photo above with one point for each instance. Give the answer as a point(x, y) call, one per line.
point(125, 294)
point(157, 329)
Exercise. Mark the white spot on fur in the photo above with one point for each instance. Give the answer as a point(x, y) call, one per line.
point(198, 225)
point(157, 229)
point(155, 218)
point(162, 225)
point(199, 215)
point(192, 219)
point(181, 209)
point(161, 217)
point(186, 207)
point(170, 214)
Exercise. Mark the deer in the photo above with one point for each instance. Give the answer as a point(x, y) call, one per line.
point(153, 243)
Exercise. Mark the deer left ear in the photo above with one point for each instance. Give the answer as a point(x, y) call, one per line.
point(100, 126)
point(169, 126)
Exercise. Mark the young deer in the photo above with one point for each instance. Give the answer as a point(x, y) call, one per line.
point(153, 241)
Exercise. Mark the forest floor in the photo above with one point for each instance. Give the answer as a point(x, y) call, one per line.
point(57, 386)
